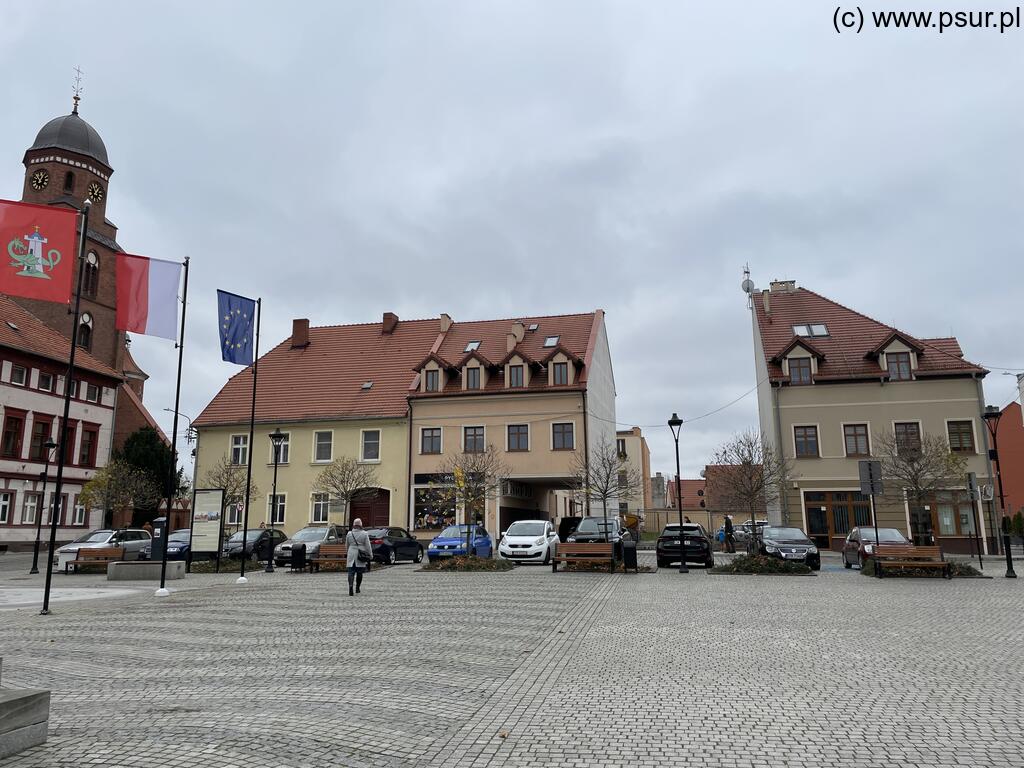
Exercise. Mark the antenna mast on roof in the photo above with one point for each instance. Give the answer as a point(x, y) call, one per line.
point(747, 285)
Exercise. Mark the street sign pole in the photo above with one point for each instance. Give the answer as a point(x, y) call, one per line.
point(871, 484)
point(974, 494)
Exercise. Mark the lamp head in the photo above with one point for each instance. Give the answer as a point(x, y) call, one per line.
point(49, 445)
point(277, 437)
point(675, 423)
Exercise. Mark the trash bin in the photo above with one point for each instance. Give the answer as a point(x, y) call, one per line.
point(298, 557)
point(159, 538)
point(629, 556)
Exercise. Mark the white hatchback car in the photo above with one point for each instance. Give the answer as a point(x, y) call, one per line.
point(529, 541)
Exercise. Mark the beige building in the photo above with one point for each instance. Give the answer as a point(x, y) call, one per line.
point(539, 390)
point(632, 447)
point(830, 382)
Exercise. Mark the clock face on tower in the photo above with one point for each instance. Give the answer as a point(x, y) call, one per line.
point(95, 192)
point(39, 180)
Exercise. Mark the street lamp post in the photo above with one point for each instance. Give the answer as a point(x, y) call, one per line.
point(992, 415)
point(675, 424)
point(276, 437)
point(48, 446)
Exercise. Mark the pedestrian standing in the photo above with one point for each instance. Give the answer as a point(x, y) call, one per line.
point(730, 538)
point(360, 553)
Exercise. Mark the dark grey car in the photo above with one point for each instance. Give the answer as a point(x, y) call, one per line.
point(312, 536)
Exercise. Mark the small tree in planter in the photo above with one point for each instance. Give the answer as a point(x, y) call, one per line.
point(751, 477)
point(471, 479)
point(346, 480)
point(604, 477)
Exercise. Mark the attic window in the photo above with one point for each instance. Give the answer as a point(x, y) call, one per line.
point(367, 385)
point(550, 341)
point(533, 327)
point(473, 346)
point(12, 326)
point(810, 329)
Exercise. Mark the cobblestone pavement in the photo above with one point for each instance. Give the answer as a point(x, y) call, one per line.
point(426, 669)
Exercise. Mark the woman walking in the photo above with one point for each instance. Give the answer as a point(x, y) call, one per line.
point(360, 553)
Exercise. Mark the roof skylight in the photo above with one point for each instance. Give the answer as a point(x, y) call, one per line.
point(810, 329)
point(367, 385)
point(473, 346)
point(550, 341)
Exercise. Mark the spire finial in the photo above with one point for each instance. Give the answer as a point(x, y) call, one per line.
point(77, 90)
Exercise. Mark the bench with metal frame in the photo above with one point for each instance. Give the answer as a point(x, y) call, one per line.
point(584, 552)
point(95, 556)
point(329, 553)
point(908, 556)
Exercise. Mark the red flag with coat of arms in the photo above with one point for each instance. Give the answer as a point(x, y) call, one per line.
point(38, 257)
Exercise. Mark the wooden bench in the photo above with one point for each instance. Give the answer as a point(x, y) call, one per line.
point(329, 553)
point(576, 552)
point(96, 556)
point(909, 556)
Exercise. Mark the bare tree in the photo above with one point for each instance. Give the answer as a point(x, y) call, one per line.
point(604, 476)
point(750, 476)
point(914, 469)
point(119, 485)
point(346, 480)
point(470, 479)
point(230, 477)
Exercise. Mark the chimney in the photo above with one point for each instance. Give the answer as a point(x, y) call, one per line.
point(767, 302)
point(510, 342)
point(389, 323)
point(518, 330)
point(446, 322)
point(783, 286)
point(300, 333)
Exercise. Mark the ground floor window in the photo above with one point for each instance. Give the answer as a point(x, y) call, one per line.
point(5, 507)
point(30, 506)
point(321, 506)
point(276, 510)
point(834, 513)
point(79, 513)
point(234, 514)
point(429, 513)
point(953, 514)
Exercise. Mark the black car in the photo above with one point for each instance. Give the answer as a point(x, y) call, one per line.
point(789, 544)
point(179, 546)
point(393, 544)
point(696, 546)
point(600, 530)
point(259, 543)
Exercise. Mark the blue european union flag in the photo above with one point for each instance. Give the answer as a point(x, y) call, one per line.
point(236, 316)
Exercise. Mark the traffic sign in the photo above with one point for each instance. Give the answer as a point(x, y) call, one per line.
point(870, 477)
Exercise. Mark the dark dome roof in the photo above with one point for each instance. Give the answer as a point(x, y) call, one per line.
point(72, 133)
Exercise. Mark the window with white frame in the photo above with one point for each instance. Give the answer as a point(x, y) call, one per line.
point(45, 381)
point(79, 513)
point(30, 507)
point(370, 450)
point(234, 514)
point(19, 375)
point(323, 446)
point(275, 508)
point(92, 393)
point(321, 506)
point(5, 507)
point(283, 451)
point(239, 449)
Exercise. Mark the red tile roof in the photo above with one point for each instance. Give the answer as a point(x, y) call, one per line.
point(324, 380)
point(32, 336)
point(853, 341)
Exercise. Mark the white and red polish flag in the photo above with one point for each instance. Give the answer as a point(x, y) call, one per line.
point(147, 295)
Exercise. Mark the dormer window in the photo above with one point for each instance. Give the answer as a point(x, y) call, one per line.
point(800, 370)
point(515, 376)
point(560, 373)
point(473, 346)
point(473, 377)
point(899, 366)
point(810, 329)
point(551, 341)
point(433, 381)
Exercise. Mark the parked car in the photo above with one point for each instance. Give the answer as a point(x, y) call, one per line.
point(601, 529)
point(860, 543)
point(132, 539)
point(532, 541)
point(789, 544)
point(393, 544)
point(179, 546)
point(259, 543)
point(452, 542)
point(696, 547)
point(312, 536)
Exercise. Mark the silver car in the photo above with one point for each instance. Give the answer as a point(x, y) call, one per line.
point(132, 539)
point(312, 536)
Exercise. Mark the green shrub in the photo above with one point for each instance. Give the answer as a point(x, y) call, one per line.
point(958, 569)
point(761, 564)
point(469, 564)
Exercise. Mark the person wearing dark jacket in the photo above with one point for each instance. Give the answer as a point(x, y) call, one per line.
point(730, 539)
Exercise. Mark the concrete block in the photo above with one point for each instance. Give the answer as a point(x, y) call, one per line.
point(144, 570)
point(21, 708)
point(20, 739)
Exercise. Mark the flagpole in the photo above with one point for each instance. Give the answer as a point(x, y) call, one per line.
point(172, 485)
point(56, 507)
point(252, 429)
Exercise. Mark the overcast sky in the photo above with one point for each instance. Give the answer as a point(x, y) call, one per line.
point(495, 159)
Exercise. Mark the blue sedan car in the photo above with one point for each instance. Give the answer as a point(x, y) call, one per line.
point(451, 542)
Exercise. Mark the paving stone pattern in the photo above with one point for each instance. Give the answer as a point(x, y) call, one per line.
point(428, 669)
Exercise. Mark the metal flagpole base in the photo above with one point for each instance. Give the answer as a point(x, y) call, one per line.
point(241, 580)
point(162, 592)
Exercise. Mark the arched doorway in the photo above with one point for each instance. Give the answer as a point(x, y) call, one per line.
point(374, 508)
